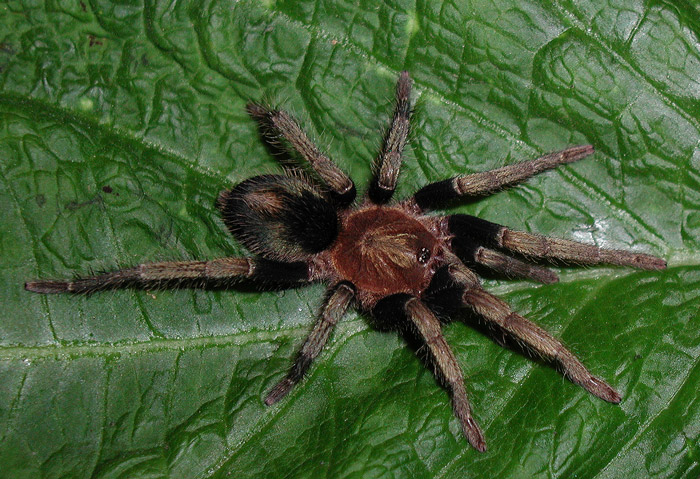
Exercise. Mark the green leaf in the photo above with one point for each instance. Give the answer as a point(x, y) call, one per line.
point(121, 121)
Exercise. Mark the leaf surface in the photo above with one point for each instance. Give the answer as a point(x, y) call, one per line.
point(120, 122)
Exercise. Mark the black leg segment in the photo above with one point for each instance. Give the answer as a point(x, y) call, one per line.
point(537, 246)
point(479, 184)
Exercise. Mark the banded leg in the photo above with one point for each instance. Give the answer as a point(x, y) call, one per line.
point(497, 311)
point(169, 273)
point(537, 246)
point(468, 250)
point(478, 184)
point(333, 310)
point(446, 368)
point(281, 123)
point(389, 160)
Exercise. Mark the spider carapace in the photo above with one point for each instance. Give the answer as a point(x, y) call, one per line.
point(384, 251)
point(391, 259)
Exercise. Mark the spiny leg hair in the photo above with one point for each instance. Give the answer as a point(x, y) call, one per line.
point(538, 246)
point(446, 368)
point(337, 303)
point(512, 267)
point(496, 310)
point(470, 251)
point(389, 160)
point(478, 184)
point(169, 273)
point(282, 123)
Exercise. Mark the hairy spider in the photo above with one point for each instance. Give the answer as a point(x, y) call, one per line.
point(387, 258)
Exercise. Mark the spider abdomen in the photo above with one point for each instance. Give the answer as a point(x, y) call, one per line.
point(384, 251)
point(279, 217)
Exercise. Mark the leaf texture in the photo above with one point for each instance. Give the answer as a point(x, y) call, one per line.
point(121, 121)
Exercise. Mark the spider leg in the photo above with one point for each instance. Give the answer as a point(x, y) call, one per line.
point(157, 275)
point(529, 244)
point(496, 310)
point(469, 250)
point(446, 368)
point(389, 160)
point(281, 123)
point(333, 309)
point(478, 184)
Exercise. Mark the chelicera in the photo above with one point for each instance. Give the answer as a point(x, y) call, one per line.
point(389, 258)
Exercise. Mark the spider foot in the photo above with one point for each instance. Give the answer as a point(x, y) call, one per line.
point(601, 389)
point(47, 287)
point(473, 433)
point(279, 391)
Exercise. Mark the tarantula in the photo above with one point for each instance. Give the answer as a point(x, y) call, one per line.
point(388, 258)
